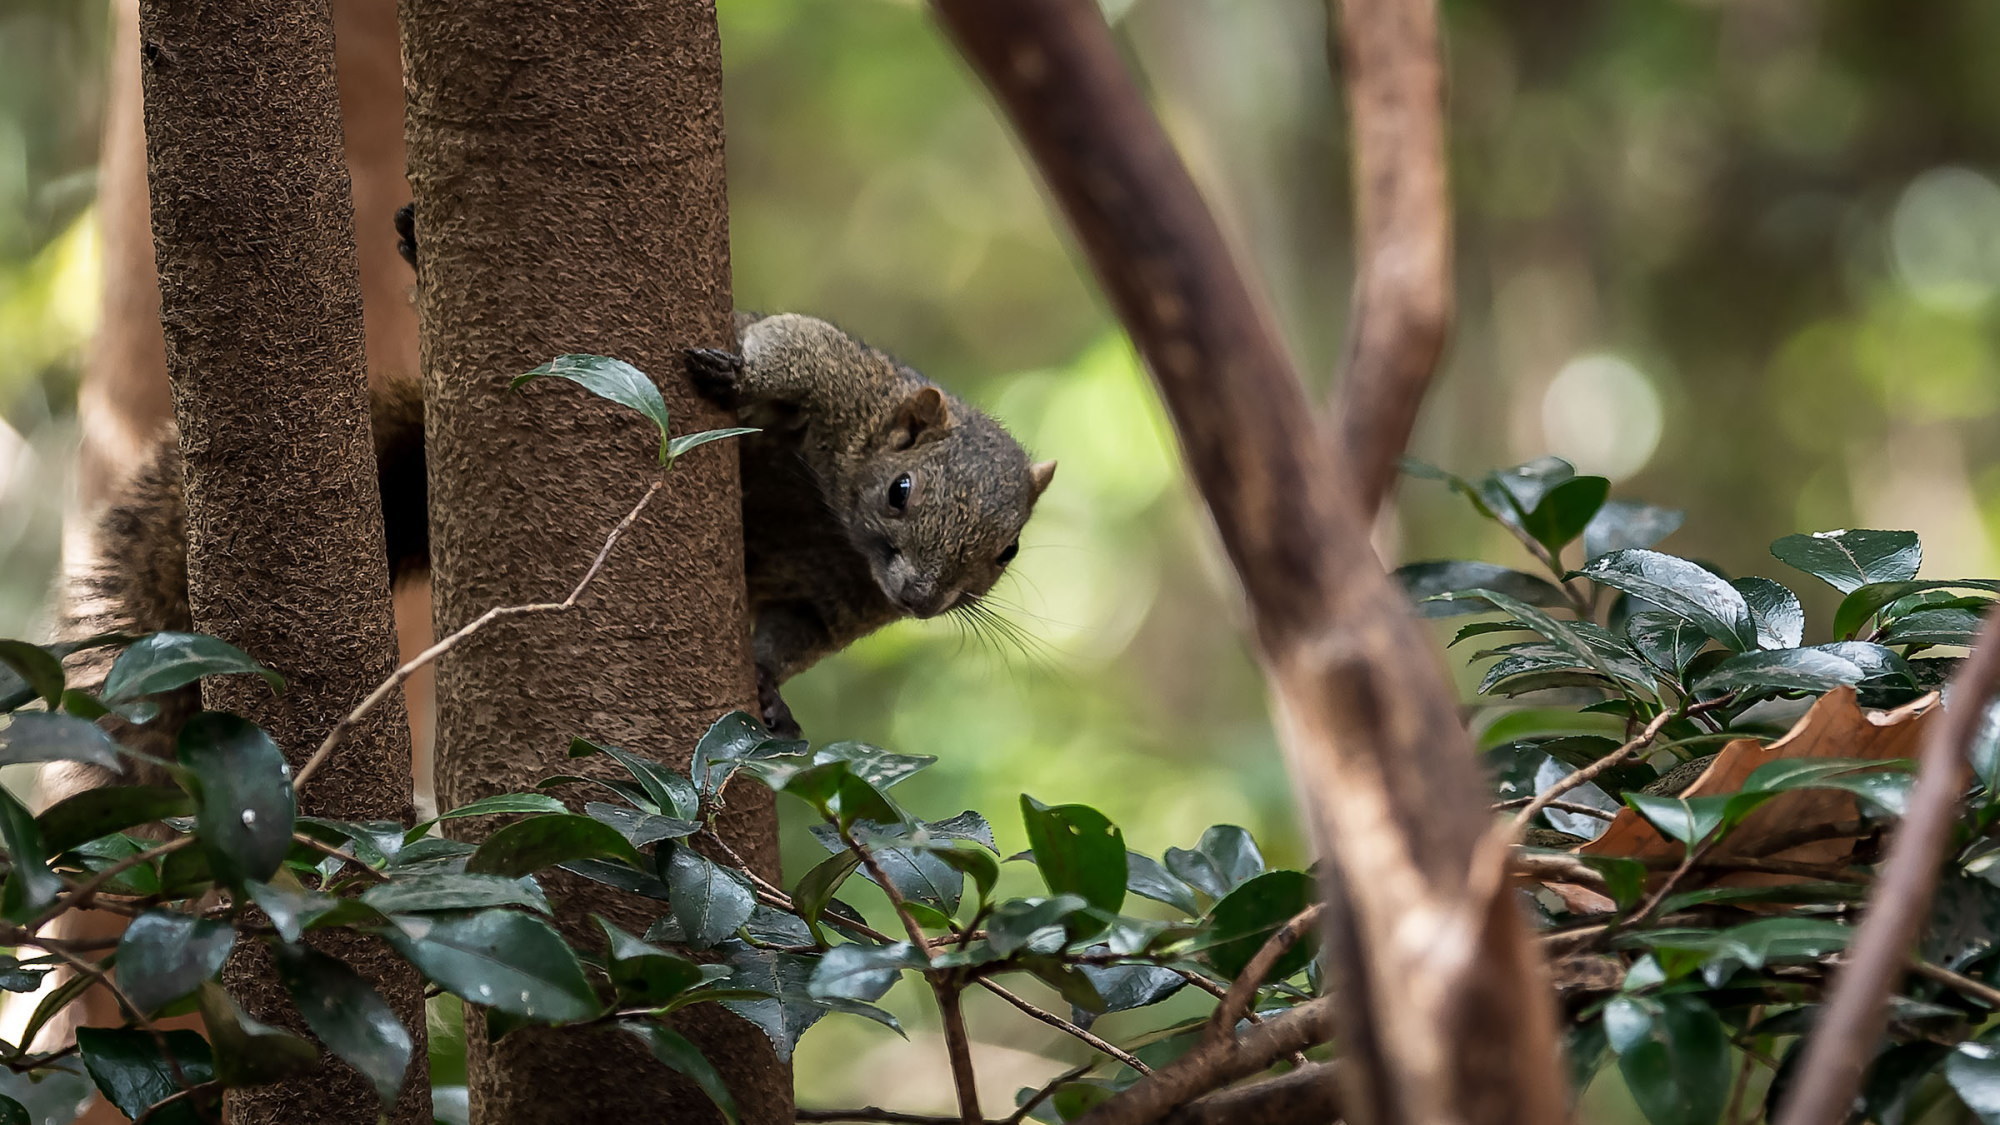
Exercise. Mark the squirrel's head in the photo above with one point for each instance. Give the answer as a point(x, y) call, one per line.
point(939, 507)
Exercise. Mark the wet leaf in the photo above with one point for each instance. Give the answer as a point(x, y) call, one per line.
point(164, 956)
point(1246, 918)
point(40, 736)
point(612, 379)
point(1776, 612)
point(134, 1074)
point(165, 661)
point(677, 1052)
point(707, 899)
point(349, 1016)
point(1426, 580)
point(1622, 524)
point(1681, 588)
point(244, 809)
point(500, 958)
point(527, 846)
point(1849, 560)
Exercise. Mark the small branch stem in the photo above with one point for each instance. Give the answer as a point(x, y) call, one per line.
point(1068, 1028)
point(959, 1044)
point(1242, 994)
point(1588, 773)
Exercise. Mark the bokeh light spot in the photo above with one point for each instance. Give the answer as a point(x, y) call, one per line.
point(1945, 237)
point(1602, 414)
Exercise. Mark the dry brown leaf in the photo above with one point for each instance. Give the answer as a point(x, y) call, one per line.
point(1835, 727)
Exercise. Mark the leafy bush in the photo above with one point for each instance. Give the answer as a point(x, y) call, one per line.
point(1701, 983)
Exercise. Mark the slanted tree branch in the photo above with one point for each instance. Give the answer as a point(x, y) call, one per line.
point(1402, 305)
point(1212, 1066)
point(1435, 949)
point(1858, 1008)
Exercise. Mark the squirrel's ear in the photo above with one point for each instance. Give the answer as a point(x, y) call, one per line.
point(923, 417)
point(1042, 472)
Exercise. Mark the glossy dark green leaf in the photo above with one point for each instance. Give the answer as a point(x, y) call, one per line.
point(620, 876)
point(502, 959)
point(377, 843)
point(1973, 1070)
point(612, 379)
point(678, 1053)
point(1426, 580)
point(1775, 611)
point(817, 887)
point(1079, 852)
point(862, 972)
point(249, 1052)
point(1124, 987)
point(165, 661)
point(1684, 589)
point(1033, 924)
point(1622, 524)
point(492, 806)
point(527, 846)
point(708, 900)
point(244, 807)
point(670, 793)
point(1895, 1077)
point(640, 829)
point(968, 859)
point(920, 874)
point(838, 793)
point(1849, 560)
point(31, 886)
point(1674, 1055)
point(1563, 511)
point(421, 894)
point(349, 1016)
point(787, 1009)
point(164, 956)
point(42, 736)
point(1225, 857)
point(14, 977)
point(1514, 492)
point(37, 667)
point(134, 1073)
point(1857, 607)
point(1792, 669)
point(290, 906)
point(1246, 918)
point(866, 1011)
point(1146, 876)
point(645, 974)
point(1666, 641)
point(1934, 627)
point(1689, 820)
point(728, 742)
point(676, 447)
point(101, 811)
point(13, 1112)
point(872, 764)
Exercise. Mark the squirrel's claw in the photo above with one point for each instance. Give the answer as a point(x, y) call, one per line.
point(406, 233)
point(776, 713)
point(716, 374)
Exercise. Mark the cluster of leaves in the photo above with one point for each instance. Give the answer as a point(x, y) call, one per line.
point(189, 861)
point(1700, 986)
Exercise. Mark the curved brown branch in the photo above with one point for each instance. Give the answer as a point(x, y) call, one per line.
point(1402, 306)
point(1857, 1009)
point(1212, 1066)
point(1243, 991)
point(1383, 766)
point(1308, 1094)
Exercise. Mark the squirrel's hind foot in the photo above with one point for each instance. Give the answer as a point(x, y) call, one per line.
point(717, 375)
point(771, 706)
point(406, 232)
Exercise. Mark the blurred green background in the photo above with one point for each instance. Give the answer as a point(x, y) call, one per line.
point(1739, 255)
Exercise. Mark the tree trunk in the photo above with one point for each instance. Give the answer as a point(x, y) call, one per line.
point(569, 186)
point(261, 304)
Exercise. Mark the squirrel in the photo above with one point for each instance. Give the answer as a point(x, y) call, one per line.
point(869, 495)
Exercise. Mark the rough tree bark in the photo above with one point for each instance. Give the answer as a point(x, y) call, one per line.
point(261, 305)
point(1431, 954)
point(568, 170)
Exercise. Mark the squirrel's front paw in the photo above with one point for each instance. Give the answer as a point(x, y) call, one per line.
point(406, 233)
point(717, 375)
point(776, 713)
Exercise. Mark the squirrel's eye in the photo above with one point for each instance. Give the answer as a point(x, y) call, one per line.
point(899, 492)
point(1007, 555)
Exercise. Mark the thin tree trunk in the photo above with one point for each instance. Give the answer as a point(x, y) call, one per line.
point(261, 304)
point(568, 169)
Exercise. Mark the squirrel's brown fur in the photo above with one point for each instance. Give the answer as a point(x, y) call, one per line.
point(869, 495)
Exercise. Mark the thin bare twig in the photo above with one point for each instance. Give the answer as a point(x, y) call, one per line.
point(401, 675)
point(1559, 806)
point(1043, 1093)
point(1066, 1027)
point(1857, 1008)
point(80, 896)
point(324, 848)
point(1977, 989)
point(1236, 1003)
point(1637, 743)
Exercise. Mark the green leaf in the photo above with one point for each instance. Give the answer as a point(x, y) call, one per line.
point(1124, 987)
point(1860, 605)
point(1681, 588)
point(164, 956)
point(640, 829)
point(862, 972)
point(349, 1016)
point(817, 887)
point(1034, 924)
point(1513, 493)
point(646, 974)
point(1666, 641)
point(1246, 918)
point(872, 764)
point(165, 661)
point(376, 842)
point(491, 806)
point(1949, 626)
point(857, 1008)
point(1791, 669)
point(677, 1052)
point(1622, 524)
point(13, 1112)
point(1804, 773)
point(1079, 852)
point(671, 794)
point(838, 793)
point(968, 858)
point(40, 736)
point(134, 1074)
point(612, 379)
point(914, 869)
point(1145, 876)
point(1225, 858)
point(290, 906)
point(1973, 1070)
point(244, 809)
point(676, 447)
point(1849, 560)
point(1776, 612)
point(1674, 1055)
point(31, 886)
point(500, 958)
point(99, 812)
point(249, 1052)
point(787, 1009)
point(420, 894)
point(37, 667)
point(709, 901)
point(728, 742)
point(527, 846)
point(1565, 510)
point(1689, 820)
point(1422, 582)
